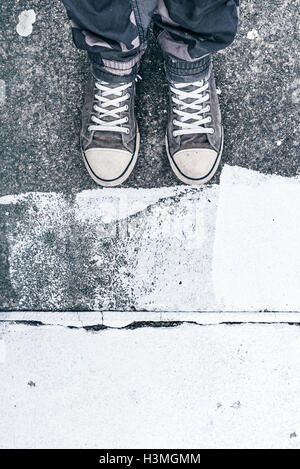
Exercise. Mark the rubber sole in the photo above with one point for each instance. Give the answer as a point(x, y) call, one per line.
point(187, 180)
point(124, 176)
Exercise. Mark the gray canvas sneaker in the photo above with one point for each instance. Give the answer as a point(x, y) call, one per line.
point(194, 137)
point(109, 137)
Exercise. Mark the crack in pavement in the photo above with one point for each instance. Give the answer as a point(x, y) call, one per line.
point(142, 324)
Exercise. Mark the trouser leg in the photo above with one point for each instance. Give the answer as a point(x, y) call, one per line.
point(113, 32)
point(190, 31)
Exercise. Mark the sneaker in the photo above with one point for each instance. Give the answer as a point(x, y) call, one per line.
point(109, 138)
point(194, 137)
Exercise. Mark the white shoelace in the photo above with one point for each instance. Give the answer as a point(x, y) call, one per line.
point(191, 122)
point(113, 98)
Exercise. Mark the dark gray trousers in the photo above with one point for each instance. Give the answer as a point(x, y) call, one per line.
point(114, 32)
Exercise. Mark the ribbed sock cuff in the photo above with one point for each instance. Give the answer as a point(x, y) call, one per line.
point(181, 70)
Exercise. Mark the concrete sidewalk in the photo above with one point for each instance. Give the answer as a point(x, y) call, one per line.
point(180, 387)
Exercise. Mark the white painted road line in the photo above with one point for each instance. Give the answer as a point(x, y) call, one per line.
point(232, 247)
point(256, 260)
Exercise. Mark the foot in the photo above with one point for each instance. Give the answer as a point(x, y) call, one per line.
point(194, 138)
point(109, 137)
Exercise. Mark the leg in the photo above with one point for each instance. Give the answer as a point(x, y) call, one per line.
point(113, 32)
point(189, 33)
point(194, 29)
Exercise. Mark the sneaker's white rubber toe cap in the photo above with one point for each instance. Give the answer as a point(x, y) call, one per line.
point(195, 166)
point(109, 166)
